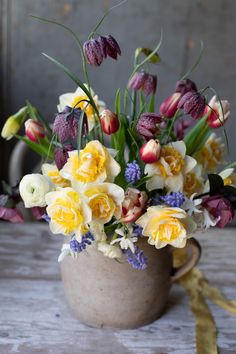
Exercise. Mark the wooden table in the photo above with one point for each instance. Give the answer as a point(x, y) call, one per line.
point(34, 317)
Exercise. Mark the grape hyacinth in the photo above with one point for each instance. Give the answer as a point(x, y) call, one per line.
point(81, 246)
point(137, 259)
point(133, 172)
point(137, 230)
point(174, 199)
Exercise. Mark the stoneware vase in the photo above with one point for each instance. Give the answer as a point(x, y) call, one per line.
point(104, 292)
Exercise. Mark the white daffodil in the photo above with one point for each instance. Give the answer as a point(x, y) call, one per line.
point(127, 239)
point(170, 169)
point(78, 99)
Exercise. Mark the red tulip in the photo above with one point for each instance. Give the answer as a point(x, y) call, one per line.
point(34, 130)
point(150, 151)
point(215, 117)
point(169, 106)
point(109, 121)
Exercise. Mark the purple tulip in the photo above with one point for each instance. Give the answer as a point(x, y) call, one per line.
point(147, 125)
point(219, 207)
point(193, 103)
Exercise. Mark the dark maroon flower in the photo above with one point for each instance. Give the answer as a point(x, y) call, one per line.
point(61, 155)
point(181, 126)
point(38, 212)
point(219, 207)
point(93, 52)
point(11, 214)
point(143, 81)
point(147, 125)
point(169, 106)
point(193, 103)
point(109, 46)
point(184, 86)
point(66, 124)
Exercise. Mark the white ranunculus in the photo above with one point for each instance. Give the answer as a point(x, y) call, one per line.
point(109, 250)
point(33, 188)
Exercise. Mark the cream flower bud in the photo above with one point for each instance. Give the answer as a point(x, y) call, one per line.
point(13, 124)
point(33, 188)
point(34, 130)
point(150, 152)
point(109, 250)
point(109, 121)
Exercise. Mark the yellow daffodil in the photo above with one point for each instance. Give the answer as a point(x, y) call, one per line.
point(105, 200)
point(94, 164)
point(78, 99)
point(211, 155)
point(69, 213)
point(170, 169)
point(51, 171)
point(193, 181)
point(165, 226)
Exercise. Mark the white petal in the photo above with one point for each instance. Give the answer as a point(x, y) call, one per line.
point(155, 182)
point(190, 163)
point(175, 183)
point(179, 146)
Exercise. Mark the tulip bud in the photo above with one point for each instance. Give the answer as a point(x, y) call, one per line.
point(34, 130)
point(169, 106)
point(150, 152)
point(13, 124)
point(109, 121)
point(215, 117)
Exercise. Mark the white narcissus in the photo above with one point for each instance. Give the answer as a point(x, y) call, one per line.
point(168, 172)
point(77, 99)
point(105, 200)
point(166, 226)
point(69, 212)
point(33, 189)
point(95, 163)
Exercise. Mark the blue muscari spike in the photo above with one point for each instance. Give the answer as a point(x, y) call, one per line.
point(137, 259)
point(174, 199)
point(133, 172)
point(86, 240)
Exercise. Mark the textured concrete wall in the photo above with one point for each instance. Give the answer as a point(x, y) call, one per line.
point(27, 74)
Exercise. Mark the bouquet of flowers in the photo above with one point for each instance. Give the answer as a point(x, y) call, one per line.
point(111, 176)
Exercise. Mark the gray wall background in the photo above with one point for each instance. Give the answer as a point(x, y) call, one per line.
point(25, 73)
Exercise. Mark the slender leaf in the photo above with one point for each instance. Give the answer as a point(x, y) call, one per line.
point(195, 65)
point(39, 149)
point(33, 113)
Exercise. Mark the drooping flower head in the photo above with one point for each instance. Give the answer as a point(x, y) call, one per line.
point(143, 81)
point(169, 106)
point(79, 100)
point(69, 213)
point(165, 226)
point(133, 172)
point(66, 124)
point(193, 103)
point(170, 169)
point(148, 125)
point(94, 164)
point(109, 46)
point(61, 155)
point(184, 86)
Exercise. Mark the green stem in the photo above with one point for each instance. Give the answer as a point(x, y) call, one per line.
point(195, 65)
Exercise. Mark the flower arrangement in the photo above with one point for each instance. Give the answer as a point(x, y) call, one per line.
point(110, 177)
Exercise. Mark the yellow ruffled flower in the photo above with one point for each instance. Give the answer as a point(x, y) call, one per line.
point(52, 172)
point(165, 226)
point(94, 164)
point(105, 200)
point(212, 153)
point(171, 167)
point(78, 99)
point(69, 212)
point(193, 182)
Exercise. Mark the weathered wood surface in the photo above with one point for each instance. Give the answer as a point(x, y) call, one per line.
point(34, 317)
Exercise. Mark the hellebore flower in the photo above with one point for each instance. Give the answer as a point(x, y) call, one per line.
point(34, 130)
point(147, 125)
point(133, 205)
point(169, 106)
point(150, 151)
point(215, 117)
point(193, 103)
point(184, 86)
point(220, 208)
point(93, 52)
point(109, 121)
point(109, 46)
point(61, 155)
point(143, 81)
point(66, 124)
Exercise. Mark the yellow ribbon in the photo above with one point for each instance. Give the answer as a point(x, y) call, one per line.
point(198, 289)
